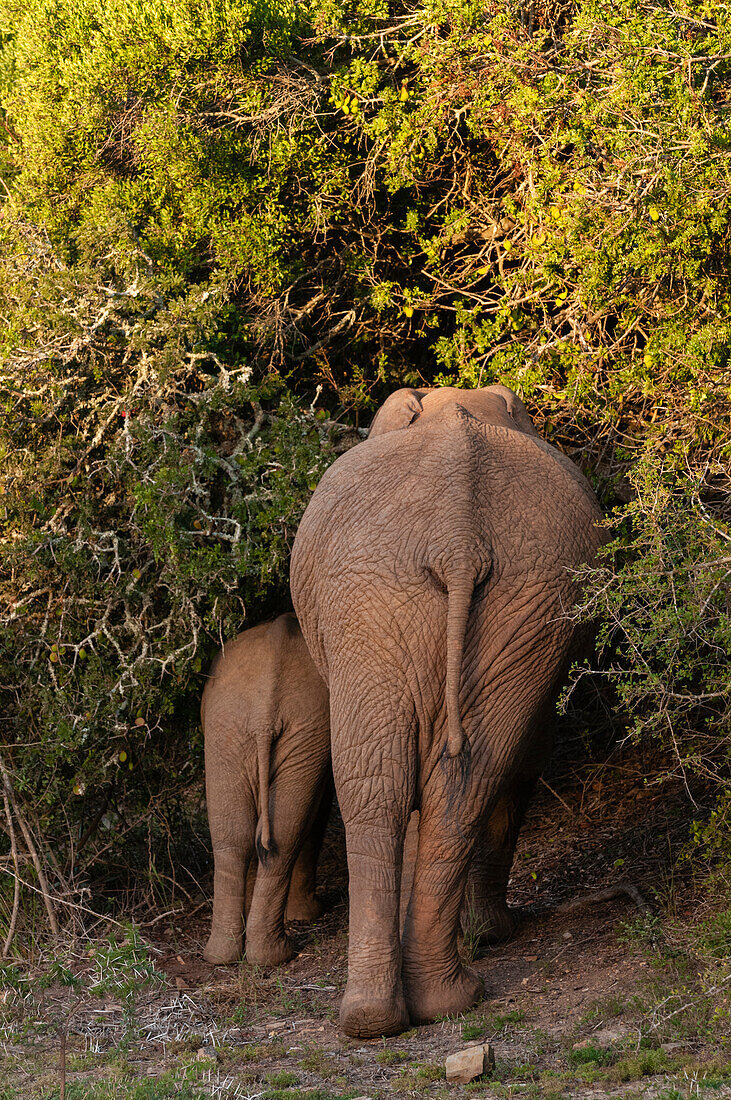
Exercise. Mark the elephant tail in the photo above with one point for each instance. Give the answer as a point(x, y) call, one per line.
point(264, 844)
point(459, 595)
point(460, 584)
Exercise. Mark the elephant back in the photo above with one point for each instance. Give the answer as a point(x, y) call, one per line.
point(394, 516)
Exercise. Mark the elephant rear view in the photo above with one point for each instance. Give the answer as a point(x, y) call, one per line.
point(266, 726)
point(431, 575)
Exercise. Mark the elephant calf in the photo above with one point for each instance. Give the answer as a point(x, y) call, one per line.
point(266, 725)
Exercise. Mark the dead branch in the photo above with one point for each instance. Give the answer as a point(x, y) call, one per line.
point(43, 882)
point(16, 884)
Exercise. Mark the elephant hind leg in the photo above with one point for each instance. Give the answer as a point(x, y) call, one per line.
point(233, 853)
point(296, 794)
point(435, 982)
point(302, 903)
point(374, 766)
point(486, 916)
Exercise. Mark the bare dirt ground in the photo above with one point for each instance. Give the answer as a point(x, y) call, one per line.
point(585, 1001)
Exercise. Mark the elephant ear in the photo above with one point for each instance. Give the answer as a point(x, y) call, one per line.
point(516, 409)
point(397, 411)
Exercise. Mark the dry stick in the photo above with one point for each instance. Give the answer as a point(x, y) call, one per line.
point(43, 882)
point(74, 905)
point(558, 796)
point(16, 884)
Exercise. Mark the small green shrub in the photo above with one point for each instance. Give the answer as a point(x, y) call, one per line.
point(282, 1079)
point(590, 1055)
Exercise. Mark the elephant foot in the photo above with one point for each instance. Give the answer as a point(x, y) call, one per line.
point(492, 922)
point(269, 950)
point(431, 999)
point(304, 907)
point(368, 1016)
point(224, 948)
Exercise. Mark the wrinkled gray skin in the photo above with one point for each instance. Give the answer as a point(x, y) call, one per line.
point(430, 575)
point(268, 788)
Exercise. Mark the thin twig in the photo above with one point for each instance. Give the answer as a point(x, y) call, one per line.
point(43, 882)
point(16, 884)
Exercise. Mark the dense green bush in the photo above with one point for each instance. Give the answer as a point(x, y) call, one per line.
point(661, 600)
point(227, 230)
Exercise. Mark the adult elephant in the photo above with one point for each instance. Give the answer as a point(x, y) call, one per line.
point(431, 575)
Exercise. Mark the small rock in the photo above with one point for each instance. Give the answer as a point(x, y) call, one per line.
point(203, 1054)
point(467, 1064)
point(567, 936)
point(670, 1047)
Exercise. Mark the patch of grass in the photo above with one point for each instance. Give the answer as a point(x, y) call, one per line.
point(645, 1063)
point(320, 1062)
point(508, 1071)
point(592, 1055)
point(75, 1063)
point(283, 1079)
point(607, 1008)
point(430, 1071)
point(528, 1070)
point(392, 1057)
point(530, 1091)
point(592, 1064)
point(302, 1094)
point(418, 1077)
point(261, 1052)
point(502, 1021)
point(160, 1088)
point(714, 934)
point(476, 1025)
point(12, 977)
point(474, 935)
point(673, 1007)
point(289, 1002)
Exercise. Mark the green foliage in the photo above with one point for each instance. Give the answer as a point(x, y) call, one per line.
point(228, 229)
point(168, 1085)
point(662, 598)
point(714, 935)
point(123, 969)
point(590, 1055)
point(709, 850)
point(42, 998)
